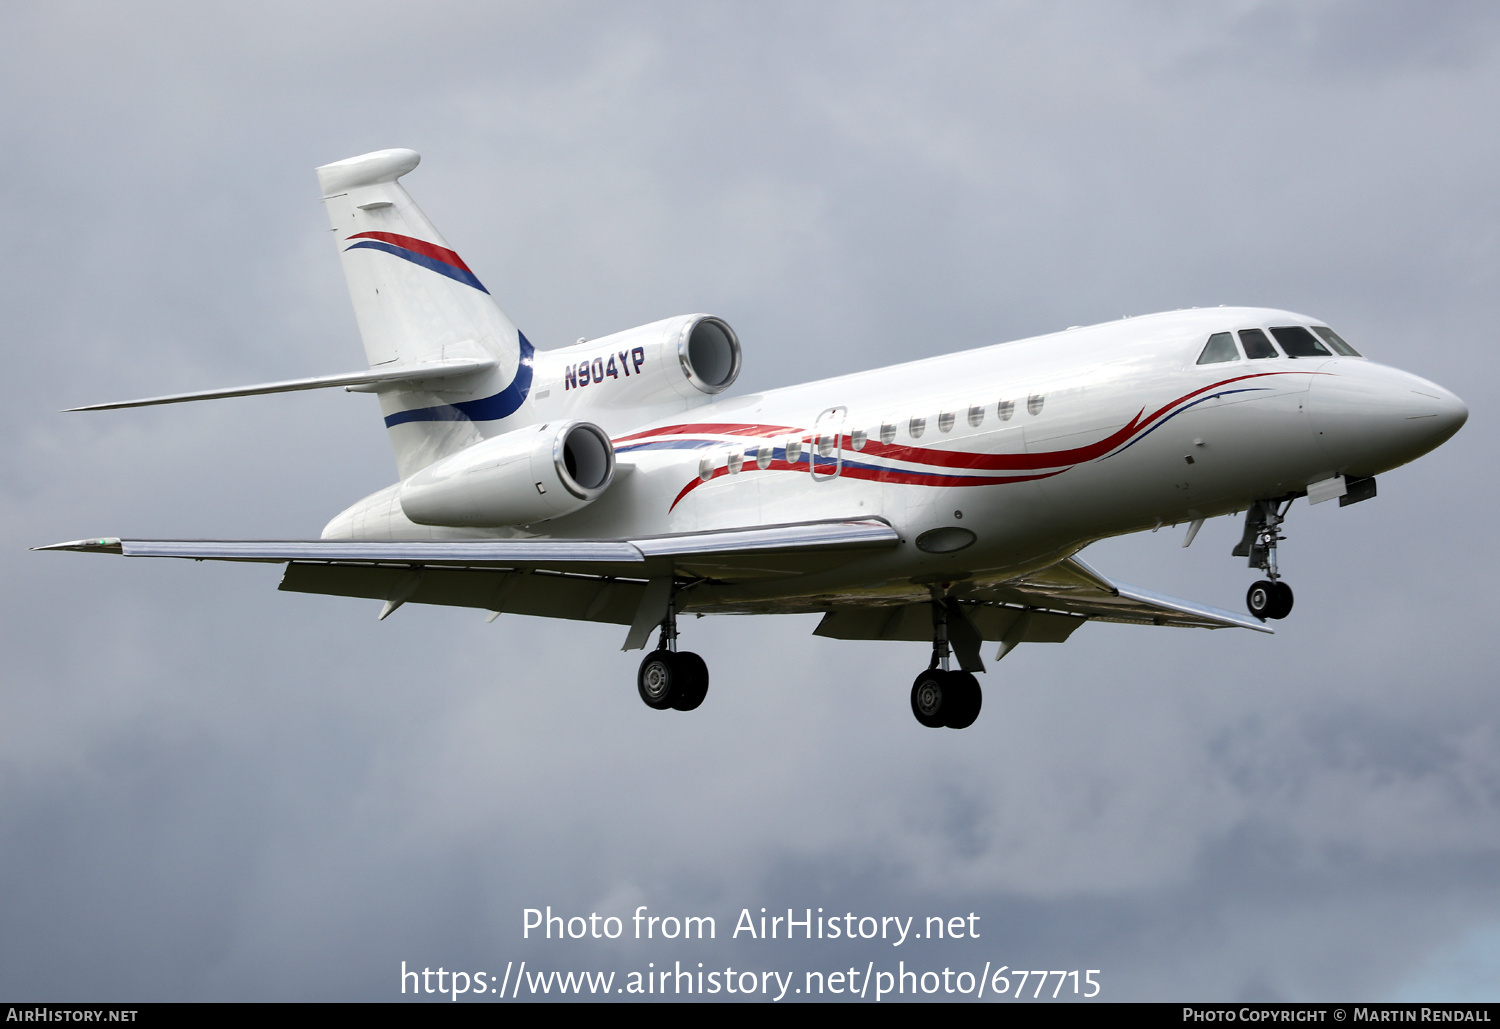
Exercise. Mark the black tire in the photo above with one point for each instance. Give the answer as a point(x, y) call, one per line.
point(964, 700)
point(659, 680)
point(929, 698)
point(1261, 599)
point(693, 686)
point(1281, 600)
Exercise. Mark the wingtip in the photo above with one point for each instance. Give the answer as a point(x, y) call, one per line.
point(114, 405)
point(98, 545)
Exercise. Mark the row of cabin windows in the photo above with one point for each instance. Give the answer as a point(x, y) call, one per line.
point(917, 424)
point(761, 455)
point(1295, 340)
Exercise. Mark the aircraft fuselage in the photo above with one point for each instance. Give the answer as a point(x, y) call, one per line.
point(1011, 456)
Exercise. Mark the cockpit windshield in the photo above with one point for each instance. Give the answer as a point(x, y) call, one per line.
point(1256, 345)
point(1295, 341)
point(1220, 348)
point(1298, 342)
point(1336, 341)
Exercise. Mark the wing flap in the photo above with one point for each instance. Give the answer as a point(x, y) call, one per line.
point(590, 598)
point(913, 623)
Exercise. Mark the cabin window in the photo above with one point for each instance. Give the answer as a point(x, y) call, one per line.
point(793, 451)
point(706, 467)
point(1298, 342)
point(916, 427)
point(735, 461)
point(857, 439)
point(1256, 345)
point(1034, 404)
point(976, 415)
point(1006, 409)
point(1220, 349)
point(888, 432)
point(763, 455)
point(946, 420)
point(1336, 341)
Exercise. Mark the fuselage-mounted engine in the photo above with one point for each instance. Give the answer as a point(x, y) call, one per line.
point(524, 476)
point(674, 363)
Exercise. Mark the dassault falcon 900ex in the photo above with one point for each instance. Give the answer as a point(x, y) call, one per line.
point(945, 499)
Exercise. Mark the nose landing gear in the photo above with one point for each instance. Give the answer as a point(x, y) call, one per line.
point(1269, 597)
point(672, 678)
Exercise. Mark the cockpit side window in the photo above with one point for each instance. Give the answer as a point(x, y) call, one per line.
point(1298, 342)
point(1220, 349)
point(1256, 345)
point(1336, 341)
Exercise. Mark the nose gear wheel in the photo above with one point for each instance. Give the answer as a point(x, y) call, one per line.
point(1269, 597)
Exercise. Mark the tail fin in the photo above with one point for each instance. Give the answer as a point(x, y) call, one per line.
point(417, 303)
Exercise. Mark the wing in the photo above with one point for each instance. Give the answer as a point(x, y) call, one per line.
point(1075, 587)
point(1043, 607)
point(626, 581)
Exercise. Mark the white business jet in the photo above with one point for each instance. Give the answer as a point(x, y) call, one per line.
point(944, 500)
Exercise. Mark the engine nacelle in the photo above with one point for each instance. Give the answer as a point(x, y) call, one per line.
point(526, 475)
point(689, 357)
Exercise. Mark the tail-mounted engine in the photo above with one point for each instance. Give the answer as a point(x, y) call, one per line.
point(527, 475)
point(690, 357)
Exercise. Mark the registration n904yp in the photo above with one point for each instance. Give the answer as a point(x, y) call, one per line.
point(945, 499)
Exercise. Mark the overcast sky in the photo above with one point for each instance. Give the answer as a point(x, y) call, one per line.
point(212, 790)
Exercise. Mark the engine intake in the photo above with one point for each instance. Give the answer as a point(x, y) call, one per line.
point(709, 353)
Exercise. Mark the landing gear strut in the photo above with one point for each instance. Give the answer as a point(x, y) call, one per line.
point(1269, 597)
point(941, 696)
point(669, 678)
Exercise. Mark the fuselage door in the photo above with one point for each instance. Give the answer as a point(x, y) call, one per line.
point(825, 455)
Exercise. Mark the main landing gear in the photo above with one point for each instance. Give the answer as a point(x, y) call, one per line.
point(1269, 597)
point(672, 678)
point(942, 696)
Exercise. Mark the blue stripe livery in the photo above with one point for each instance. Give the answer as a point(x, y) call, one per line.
point(1184, 407)
point(487, 409)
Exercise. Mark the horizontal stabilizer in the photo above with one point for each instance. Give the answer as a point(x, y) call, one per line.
point(437, 375)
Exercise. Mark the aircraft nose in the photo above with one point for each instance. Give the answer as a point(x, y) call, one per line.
point(1432, 414)
point(1443, 411)
point(1371, 418)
